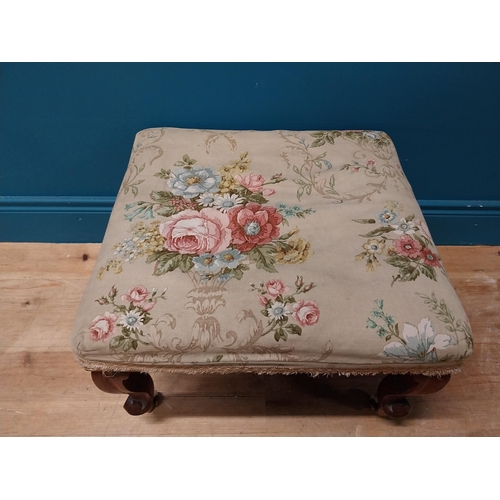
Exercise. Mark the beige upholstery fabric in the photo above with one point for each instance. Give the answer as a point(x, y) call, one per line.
point(271, 252)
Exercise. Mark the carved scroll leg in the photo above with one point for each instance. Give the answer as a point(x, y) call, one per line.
point(393, 389)
point(139, 386)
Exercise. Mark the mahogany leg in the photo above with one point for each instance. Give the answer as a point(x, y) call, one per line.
point(139, 386)
point(393, 389)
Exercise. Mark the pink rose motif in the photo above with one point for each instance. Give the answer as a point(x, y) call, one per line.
point(305, 312)
point(263, 300)
point(193, 232)
point(137, 295)
point(268, 191)
point(147, 306)
point(253, 182)
point(276, 287)
point(253, 225)
point(407, 246)
point(102, 327)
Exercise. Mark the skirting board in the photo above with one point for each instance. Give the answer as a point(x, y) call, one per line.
point(83, 219)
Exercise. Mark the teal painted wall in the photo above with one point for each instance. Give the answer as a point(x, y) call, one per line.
point(66, 131)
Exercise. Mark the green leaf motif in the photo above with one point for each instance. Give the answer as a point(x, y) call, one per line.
point(127, 345)
point(331, 136)
point(280, 334)
point(281, 245)
point(185, 263)
point(263, 258)
point(317, 143)
point(163, 256)
point(322, 137)
point(364, 221)
point(331, 184)
point(409, 273)
point(186, 162)
point(428, 271)
point(238, 273)
point(116, 342)
point(293, 329)
point(166, 211)
point(399, 261)
point(162, 197)
point(378, 232)
point(167, 262)
point(163, 174)
point(256, 198)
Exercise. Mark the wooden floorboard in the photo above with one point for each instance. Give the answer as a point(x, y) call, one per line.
point(44, 392)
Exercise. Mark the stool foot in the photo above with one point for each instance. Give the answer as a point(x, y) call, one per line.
point(139, 386)
point(393, 389)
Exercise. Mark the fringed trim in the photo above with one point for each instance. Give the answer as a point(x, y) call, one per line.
point(222, 369)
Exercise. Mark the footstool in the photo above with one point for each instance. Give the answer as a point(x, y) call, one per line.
point(274, 252)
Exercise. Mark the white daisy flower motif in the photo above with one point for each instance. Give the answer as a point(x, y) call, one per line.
point(207, 199)
point(279, 310)
point(227, 201)
point(404, 227)
point(131, 320)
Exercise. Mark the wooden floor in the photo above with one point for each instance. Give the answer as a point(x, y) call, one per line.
point(43, 392)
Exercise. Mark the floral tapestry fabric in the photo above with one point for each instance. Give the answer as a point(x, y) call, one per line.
point(304, 251)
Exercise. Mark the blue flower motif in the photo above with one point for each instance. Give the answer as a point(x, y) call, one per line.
point(291, 211)
point(382, 332)
point(288, 212)
point(206, 263)
point(370, 323)
point(127, 250)
point(229, 258)
point(390, 320)
point(222, 278)
point(193, 182)
point(387, 216)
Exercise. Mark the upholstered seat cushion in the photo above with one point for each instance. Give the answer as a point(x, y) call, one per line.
point(270, 252)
